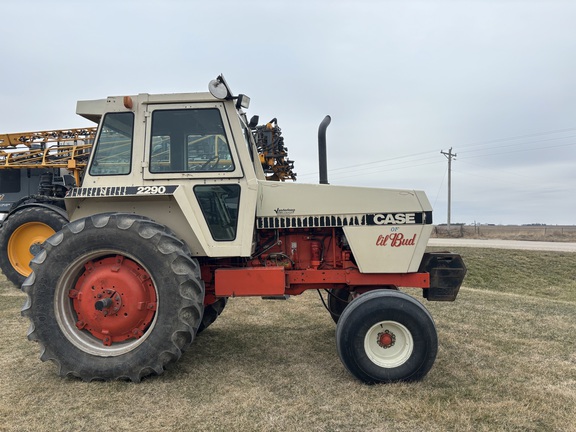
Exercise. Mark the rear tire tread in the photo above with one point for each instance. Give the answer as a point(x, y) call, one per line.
point(185, 271)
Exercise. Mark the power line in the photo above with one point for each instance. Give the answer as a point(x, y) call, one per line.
point(439, 189)
point(380, 170)
point(385, 161)
point(512, 138)
point(520, 150)
point(349, 170)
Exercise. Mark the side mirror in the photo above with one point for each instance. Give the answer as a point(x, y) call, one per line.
point(219, 88)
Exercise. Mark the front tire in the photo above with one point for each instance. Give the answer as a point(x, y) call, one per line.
point(339, 298)
point(22, 236)
point(113, 296)
point(386, 336)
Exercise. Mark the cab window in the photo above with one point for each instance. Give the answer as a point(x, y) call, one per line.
point(188, 141)
point(219, 204)
point(113, 152)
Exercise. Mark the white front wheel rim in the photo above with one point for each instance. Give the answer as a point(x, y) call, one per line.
point(388, 344)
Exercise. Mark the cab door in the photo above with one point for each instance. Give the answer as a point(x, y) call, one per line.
point(192, 147)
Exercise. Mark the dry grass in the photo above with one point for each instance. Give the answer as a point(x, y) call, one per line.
point(507, 361)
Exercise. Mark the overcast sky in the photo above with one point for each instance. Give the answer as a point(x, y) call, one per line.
point(403, 80)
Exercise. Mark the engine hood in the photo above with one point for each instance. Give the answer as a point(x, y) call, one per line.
point(297, 200)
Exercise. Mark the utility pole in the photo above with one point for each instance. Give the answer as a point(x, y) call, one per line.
point(449, 155)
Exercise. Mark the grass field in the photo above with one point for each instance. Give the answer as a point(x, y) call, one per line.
point(506, 362)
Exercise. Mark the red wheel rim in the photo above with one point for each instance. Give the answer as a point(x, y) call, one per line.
point(114, 299)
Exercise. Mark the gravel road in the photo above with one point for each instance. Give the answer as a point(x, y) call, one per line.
point(504, 244)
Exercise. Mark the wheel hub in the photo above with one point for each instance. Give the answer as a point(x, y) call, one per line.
point(35, 248)
point(114, 299)
point(386, 339)
point(388, 344)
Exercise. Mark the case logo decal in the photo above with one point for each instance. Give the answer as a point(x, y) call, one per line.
point(394, 218)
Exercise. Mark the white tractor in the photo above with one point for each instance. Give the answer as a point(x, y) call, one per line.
point(176, 213)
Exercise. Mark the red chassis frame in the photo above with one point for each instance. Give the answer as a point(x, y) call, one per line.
point(293, 261)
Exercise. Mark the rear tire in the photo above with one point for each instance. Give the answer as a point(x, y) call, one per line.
point(386, 336)
point(22, 236)
point(113, 296)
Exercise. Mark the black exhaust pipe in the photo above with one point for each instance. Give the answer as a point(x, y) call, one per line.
point(322, 157)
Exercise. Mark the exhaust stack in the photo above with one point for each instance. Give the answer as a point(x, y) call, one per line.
point(322, 157)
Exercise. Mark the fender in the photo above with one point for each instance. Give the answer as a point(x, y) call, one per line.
point(52, 207)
